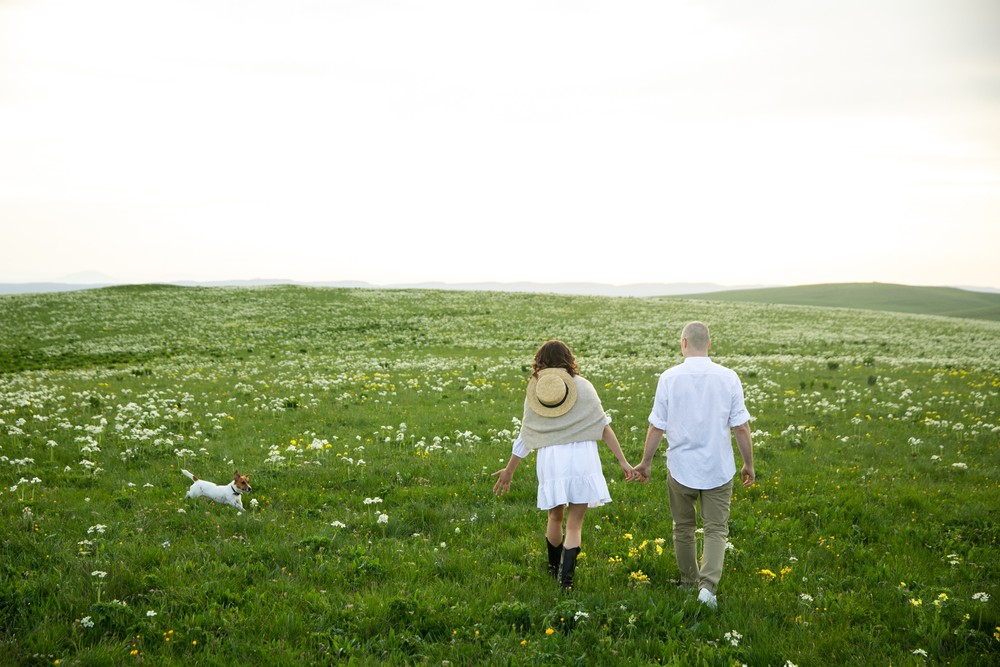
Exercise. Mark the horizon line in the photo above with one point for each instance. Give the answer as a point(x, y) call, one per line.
point(573, 287)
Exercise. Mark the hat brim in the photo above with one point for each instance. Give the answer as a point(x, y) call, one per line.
point(552, 410)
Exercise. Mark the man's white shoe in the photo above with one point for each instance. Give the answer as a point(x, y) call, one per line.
point(707, 598)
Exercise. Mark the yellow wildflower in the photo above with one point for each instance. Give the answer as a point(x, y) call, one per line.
point(639, 577)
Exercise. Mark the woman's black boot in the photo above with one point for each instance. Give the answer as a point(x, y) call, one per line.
point(568, 567)
point(555, 554)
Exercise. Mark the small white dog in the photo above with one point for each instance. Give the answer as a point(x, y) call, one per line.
point(229, 494)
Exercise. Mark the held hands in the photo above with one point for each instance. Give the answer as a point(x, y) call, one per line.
point(748, 476)
point(642, 472)
point(630, 474)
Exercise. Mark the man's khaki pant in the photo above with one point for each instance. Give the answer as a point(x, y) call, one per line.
point(714, 505)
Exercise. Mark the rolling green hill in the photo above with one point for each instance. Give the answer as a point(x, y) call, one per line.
point(946, 301)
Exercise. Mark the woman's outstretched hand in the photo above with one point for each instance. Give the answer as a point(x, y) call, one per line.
point(504, 475)
point(503, 482)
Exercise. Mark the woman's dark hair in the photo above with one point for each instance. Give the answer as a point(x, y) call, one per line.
point(555, 354)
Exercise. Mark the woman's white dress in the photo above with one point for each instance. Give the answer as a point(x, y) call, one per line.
point(569, 473)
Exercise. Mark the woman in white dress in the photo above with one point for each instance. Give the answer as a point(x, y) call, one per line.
point(563, 420)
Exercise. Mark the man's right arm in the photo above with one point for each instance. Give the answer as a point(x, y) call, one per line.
point(745, 445)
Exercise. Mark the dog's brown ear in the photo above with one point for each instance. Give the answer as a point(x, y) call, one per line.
point(236, 474)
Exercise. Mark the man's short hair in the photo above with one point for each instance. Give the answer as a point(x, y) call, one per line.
point(697, 335)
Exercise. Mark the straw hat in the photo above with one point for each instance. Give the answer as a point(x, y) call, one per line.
point(552, 393)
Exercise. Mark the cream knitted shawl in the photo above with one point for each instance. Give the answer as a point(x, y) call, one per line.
point(583, 423)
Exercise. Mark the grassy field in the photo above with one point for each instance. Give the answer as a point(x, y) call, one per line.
point(369, 422)
point(944, 301)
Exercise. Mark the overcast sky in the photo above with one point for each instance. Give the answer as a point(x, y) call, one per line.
point(725, 141)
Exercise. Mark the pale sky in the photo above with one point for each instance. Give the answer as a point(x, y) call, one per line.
point(740, 143)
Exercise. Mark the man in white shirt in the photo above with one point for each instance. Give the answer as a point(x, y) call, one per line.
point(699, 406)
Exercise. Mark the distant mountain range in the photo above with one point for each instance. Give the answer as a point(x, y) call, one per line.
point(583, 289)
point(968, 302)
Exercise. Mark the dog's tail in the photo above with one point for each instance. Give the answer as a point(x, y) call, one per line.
point(194, 478)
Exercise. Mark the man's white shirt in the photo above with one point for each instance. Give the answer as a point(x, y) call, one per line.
point(696, 404)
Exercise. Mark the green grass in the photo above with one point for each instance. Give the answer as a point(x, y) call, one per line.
point(944, 301)
point(872, 532)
